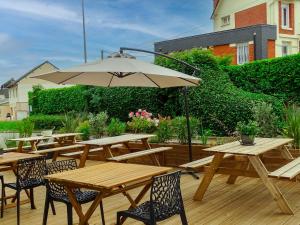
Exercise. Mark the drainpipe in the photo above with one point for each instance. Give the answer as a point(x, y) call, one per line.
point(254, 46)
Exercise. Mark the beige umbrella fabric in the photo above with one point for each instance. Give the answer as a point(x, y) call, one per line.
point(121, 72)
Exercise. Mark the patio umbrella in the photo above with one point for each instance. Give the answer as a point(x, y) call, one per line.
point(123, 70)
point(120, 71)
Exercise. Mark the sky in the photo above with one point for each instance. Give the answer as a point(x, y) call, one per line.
point(33, 31)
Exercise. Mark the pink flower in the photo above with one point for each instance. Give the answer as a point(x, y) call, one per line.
point(137, 114)
point(144, 113)
point(131, 114)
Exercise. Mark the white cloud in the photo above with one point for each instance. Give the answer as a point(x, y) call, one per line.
point(40, 9)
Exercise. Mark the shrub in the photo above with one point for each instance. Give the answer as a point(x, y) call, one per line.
point(204, 135)
point(84, 128)
point(59, 100)
point(98, 123)
point(141, 122)
point(26, 128)
point(116, 127)
point(164, 130)
point(43, 122)
point(293, 125)
point(266, 119)
point(180, 128)
point(277, 77)
point(70, 122)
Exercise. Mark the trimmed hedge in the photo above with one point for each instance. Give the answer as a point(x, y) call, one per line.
point(278, 77)
point(58, 101)
point(42, 122)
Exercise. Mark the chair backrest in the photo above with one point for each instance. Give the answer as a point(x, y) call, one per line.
point(165, 197)
point(31, 172)
point(54, 189)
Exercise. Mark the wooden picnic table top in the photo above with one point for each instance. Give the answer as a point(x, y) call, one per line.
point(107, 175)
point(33, 138)
point(11, 157)
point(261, 146)
point(117, 140)
point(65, 135)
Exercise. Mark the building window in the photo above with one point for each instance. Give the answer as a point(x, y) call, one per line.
point(285, 16)
point(225, 20)
point(286, 46)
point(242, 53)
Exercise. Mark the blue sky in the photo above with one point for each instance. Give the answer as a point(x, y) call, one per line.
point(33, 31)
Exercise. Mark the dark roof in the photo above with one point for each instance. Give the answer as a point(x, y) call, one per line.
point(26, 74)
point(7, 83)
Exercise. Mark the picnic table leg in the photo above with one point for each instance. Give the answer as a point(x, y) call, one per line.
point(108, 152)
point(84, 156)
point(286, 153)
point(33, 145)
point(209, 174)
point(20, 146)
point(153, 157)
point(241, 165)
point(272, 187)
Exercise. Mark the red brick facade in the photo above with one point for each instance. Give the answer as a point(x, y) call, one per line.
point(292, 20)
point(252, 16)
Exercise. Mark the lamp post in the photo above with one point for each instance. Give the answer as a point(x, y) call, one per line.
point(84, 34)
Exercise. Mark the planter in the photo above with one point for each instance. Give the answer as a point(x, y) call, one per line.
point(247, 140)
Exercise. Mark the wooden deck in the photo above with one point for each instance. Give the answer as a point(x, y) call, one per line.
point(246, 202)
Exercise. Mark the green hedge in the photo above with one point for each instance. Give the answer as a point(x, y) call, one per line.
point(57, 101)
point(278, 77)
point(42, 122)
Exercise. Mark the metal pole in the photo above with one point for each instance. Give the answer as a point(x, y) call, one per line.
point(254, 46)
point(102, 54)
point(84, 34)
point(187, 115)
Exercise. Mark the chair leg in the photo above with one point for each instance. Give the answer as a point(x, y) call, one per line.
point(70, 214)
point(118, 219)
point(46, 210)
point(2, 200)
point(18, 207)
point(183, 218)
point(32, 199)
point(52, 207)
point(102, 213)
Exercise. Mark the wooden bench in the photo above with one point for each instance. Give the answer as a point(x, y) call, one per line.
point(133, 155)
point(201, 162)
point(288, 171)
point(58, 149)
point(28, 147)
point(91, 150)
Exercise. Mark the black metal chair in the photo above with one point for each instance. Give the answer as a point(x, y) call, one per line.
point(29, 175)
point(165, 201)
point(3, 196)
point(56, 192)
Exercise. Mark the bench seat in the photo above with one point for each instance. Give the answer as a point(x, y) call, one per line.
point(58, 149)
point(201, 162)
point(288, 171)
point(28, 147)
point(91, 150)
point(139, 154)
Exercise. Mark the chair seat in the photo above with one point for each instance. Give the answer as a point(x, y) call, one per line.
point(81, 196)
point(143, 211)
point(29, 183)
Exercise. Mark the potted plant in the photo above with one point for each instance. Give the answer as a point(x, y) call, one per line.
point(247, 132)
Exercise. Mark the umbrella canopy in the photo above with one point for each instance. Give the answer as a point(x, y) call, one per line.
point(121, 72)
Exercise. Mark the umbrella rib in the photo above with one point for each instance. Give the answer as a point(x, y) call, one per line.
point(187, 80)
point(71, 77)
point(112, 77)
point(151, 80)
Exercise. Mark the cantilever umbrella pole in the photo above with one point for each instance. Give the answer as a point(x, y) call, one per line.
point(186, 101)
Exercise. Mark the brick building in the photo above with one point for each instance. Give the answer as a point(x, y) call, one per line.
point(247, 30)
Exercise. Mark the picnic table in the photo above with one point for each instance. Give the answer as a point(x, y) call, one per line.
point(107, 142)
point(109, 179)
point(244, 156)
point(69, 138)
point(34, 141)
